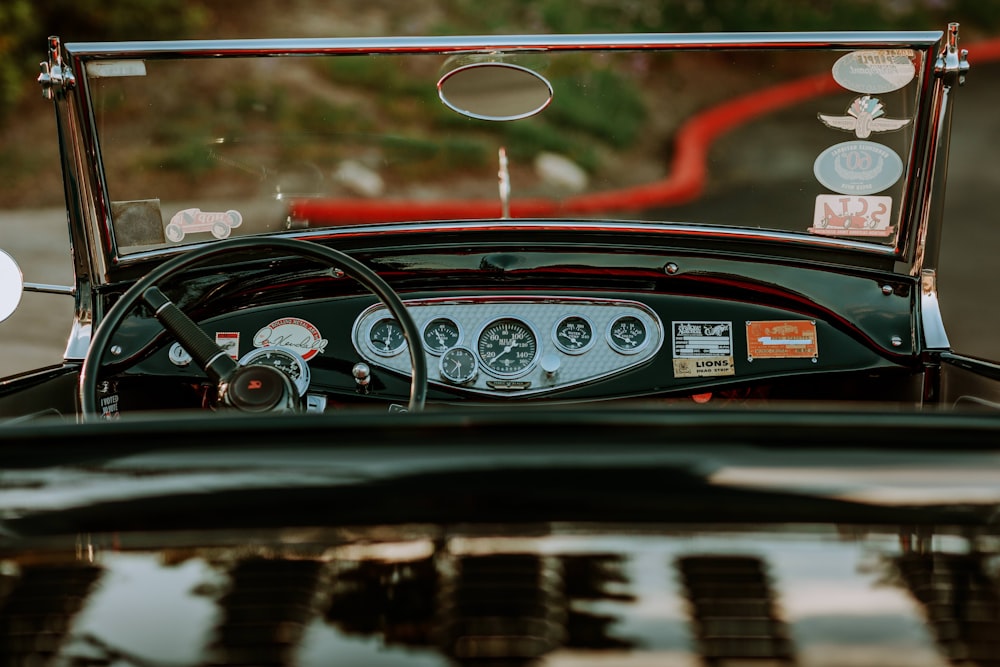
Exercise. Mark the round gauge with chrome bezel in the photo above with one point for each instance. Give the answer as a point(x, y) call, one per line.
point(627, 334)
point(573, 334)
point(507, 347)
point(440, 334)
point(385, 337)
point(285, 359)
point(458, 365)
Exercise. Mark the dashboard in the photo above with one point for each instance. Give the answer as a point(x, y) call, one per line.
point(526, 345)
point(520, 345)
point(574, 324)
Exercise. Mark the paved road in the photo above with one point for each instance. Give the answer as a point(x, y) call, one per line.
point(36, 334)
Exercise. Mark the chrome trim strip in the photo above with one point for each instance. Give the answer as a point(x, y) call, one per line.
point(667, 229)
point(66, 290)
point(929, 228)
point(233, 48)
point(935, 336)
point(78, 342)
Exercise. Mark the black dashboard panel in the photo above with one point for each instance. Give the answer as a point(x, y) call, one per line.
point(326, 330)
point(698, 324)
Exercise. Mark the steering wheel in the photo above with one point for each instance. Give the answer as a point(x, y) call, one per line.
point(270, 387)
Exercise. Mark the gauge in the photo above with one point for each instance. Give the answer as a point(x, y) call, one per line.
point(441, 334)
point(627, 334)
point(573, 334)
point(386, 338)
point(507, 347)
point(458, 365)
point(285, 359)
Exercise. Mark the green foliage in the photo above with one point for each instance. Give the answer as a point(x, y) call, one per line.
point(193, 157)
point(526, 139)
point(583, 16)
point(17, 21)
point(414, 157)
point(25, 25)
point(601, 104)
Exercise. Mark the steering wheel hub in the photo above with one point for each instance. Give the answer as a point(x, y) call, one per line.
point(259, 389)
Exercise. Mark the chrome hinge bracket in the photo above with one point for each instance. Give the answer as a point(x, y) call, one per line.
point(55, 76)
point(952, 59)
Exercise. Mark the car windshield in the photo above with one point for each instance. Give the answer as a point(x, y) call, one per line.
point(808, 143)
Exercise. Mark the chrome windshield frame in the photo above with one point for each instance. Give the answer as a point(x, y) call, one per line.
point(108, 259)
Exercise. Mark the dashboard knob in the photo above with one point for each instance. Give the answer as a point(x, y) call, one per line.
point(362, 373)
point(550, 363)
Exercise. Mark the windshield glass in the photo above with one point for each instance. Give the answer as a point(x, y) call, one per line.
point(812, 142)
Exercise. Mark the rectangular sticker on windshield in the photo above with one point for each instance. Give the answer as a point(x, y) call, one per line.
point(784, 339)
point(703, 349)
point(852, 215)
point(112, 68)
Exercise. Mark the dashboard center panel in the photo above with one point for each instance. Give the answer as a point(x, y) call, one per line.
point(515, 345)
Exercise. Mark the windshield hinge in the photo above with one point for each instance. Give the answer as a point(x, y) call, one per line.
point(952, 59)
point(55, 76)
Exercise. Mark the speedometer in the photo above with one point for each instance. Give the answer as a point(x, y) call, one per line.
point(507, 347)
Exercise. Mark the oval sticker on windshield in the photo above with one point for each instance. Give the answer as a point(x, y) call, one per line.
point(858, 168)
point(877, 71)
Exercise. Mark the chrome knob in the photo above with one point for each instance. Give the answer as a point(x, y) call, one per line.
point(362, 373)
point(550, 364)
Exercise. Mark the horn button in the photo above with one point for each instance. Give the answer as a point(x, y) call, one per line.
point(259, 389)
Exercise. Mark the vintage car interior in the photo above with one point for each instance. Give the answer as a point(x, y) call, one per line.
point(502, 350)
point(416, 250)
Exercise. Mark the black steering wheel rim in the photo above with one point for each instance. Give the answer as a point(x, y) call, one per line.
point(334, 258)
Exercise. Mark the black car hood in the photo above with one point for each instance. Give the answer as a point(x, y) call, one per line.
point(631, 538)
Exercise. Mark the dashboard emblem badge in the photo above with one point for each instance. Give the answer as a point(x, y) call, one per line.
point(293, 332)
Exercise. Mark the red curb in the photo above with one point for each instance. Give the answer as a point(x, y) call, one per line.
point(686, 181)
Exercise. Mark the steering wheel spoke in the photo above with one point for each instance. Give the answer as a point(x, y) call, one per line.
point(203, 350)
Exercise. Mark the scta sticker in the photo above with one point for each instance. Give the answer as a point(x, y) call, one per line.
point(846, 215)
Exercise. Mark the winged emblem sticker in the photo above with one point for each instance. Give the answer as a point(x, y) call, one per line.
point(864, 116)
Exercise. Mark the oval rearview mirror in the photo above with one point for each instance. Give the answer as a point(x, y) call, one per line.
point(495, 91)
point(11, 285)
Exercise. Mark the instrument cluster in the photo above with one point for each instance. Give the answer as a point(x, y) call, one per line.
point(517, 345)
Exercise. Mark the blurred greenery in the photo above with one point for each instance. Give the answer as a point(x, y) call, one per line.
point(25, 24)
point(576, 16)
point(579, 129)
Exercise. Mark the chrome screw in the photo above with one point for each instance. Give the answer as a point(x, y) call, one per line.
point(896, 341)
point(887, 290)
point(671, 268)
point(116, 350)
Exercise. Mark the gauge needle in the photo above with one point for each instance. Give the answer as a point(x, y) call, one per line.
point(458, 366)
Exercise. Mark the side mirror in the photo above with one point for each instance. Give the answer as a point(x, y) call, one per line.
point(11, 285)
